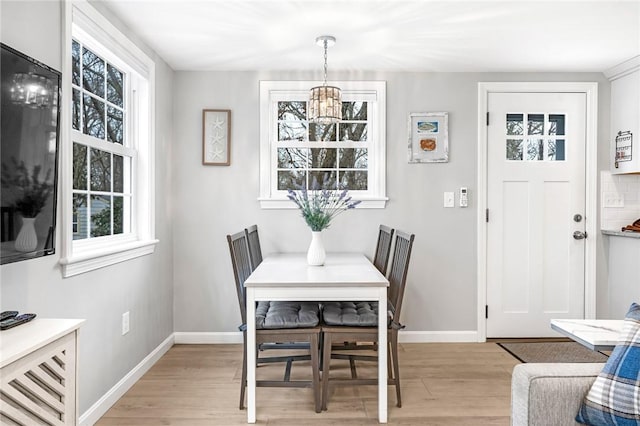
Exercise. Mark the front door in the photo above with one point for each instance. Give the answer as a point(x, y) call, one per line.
point(536, 207)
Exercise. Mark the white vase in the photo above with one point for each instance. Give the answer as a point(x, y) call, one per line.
point(316, 253)
point(27, 240)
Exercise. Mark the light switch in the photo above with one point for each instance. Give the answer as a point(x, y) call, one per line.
point(449, 199)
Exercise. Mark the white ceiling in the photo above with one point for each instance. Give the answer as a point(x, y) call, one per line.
point(391, 35)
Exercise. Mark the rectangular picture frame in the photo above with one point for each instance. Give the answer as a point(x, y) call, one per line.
point(216, 137)
point(428, 137)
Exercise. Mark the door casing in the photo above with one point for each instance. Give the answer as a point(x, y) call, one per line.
point(590, 89)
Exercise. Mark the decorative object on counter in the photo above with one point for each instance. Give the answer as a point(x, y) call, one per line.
point(216, 137)
point(318, 207)
point(634, 227)
point(428, 137)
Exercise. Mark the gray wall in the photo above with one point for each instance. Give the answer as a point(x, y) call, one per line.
point(213, 201)
point(143, 286)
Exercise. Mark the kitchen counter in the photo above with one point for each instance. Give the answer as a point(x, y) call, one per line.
point(627, 234)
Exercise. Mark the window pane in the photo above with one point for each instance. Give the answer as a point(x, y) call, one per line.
point(100, 171)
point(115, 86)
point(353, 131)
point(100, 215)
point(292, 131)
point(354, 180)
point(353, 158)
point(293, 158)
point(118, 176)
point(118, 215)
point(79, 166)
point(322, 180)
point(294, 110)
point(291, 180)
point(114, 125)
point(536, 124)
point(80, 216)
point(75, 62)
point(556, 150)
point(92, 72)
point(515, 124)
point(535, 149)
point(556, 124)
point(354, 110)
point(322, 132)
point(93, 117)
point(514, 149)
point(76, 109)
point(324, 158)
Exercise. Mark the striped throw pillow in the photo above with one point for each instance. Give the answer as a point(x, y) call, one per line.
point(614, 398)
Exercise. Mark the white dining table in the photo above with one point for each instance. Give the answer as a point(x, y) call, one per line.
point(343, 277)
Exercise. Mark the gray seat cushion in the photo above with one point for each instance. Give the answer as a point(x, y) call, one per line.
point(351, 314)
point(277, 315)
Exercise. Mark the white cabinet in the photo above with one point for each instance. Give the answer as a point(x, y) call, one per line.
point(625, 117)
point(624, 272)
point(38, 362)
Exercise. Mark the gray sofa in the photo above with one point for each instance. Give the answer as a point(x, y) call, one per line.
point(550, 394)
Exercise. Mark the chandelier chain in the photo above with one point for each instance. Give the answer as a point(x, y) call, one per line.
point(325, 62)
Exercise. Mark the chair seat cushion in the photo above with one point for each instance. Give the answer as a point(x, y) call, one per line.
point(351, 314)
point(276, 315)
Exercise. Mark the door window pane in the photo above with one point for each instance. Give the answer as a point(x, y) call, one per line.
point(556, 150)
point(535, 149)
point(514, 149)
point(535, 124)
point(515, 124)
point(556, 124)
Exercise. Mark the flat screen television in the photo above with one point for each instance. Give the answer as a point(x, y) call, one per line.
point(29, 140)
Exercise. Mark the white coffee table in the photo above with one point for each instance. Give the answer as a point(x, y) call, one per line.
point(597, 335)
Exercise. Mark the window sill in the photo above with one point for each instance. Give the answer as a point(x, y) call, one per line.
point(95, 259)
point(285, 203)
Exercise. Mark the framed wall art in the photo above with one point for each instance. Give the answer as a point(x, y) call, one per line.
point(216, 137)
point(428, 137)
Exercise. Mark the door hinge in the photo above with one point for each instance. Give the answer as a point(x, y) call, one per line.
point(486, 311)
point(487, 118)
point(486, 215)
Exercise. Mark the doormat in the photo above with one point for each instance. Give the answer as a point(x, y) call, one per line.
point(552, 352)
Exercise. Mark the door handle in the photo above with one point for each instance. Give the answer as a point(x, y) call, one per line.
point(579, 235)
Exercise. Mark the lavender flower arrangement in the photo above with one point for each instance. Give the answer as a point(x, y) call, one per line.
point(319, 206)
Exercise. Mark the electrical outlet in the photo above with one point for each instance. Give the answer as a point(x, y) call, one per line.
point(125, 323)
point(449, 199)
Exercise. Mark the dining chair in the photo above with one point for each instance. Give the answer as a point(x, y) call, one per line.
point(276, 323)
point(357, 322)
point(383, 248)
point(255, 252)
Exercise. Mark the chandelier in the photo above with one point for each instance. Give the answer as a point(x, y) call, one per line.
point(325, 102)
point(32, 90)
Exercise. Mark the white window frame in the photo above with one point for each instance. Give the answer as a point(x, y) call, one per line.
point(84, 23)
point(374, 92)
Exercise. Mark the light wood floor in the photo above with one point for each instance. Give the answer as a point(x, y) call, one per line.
point(442, 384)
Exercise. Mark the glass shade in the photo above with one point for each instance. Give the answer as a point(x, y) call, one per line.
point(325, 104)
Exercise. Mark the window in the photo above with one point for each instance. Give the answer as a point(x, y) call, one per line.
point(108, 215)
point(298, 154)
point(535, 137)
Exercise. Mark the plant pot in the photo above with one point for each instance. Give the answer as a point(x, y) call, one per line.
point(316, 253)
point(27, 240)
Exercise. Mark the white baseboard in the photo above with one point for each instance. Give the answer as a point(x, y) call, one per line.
point(97, 410)
point(207, 338)
point(437, 336)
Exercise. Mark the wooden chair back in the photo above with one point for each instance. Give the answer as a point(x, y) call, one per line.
point(383, 249)
point(255, 252)
point(239, 250)
point(398, 274)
